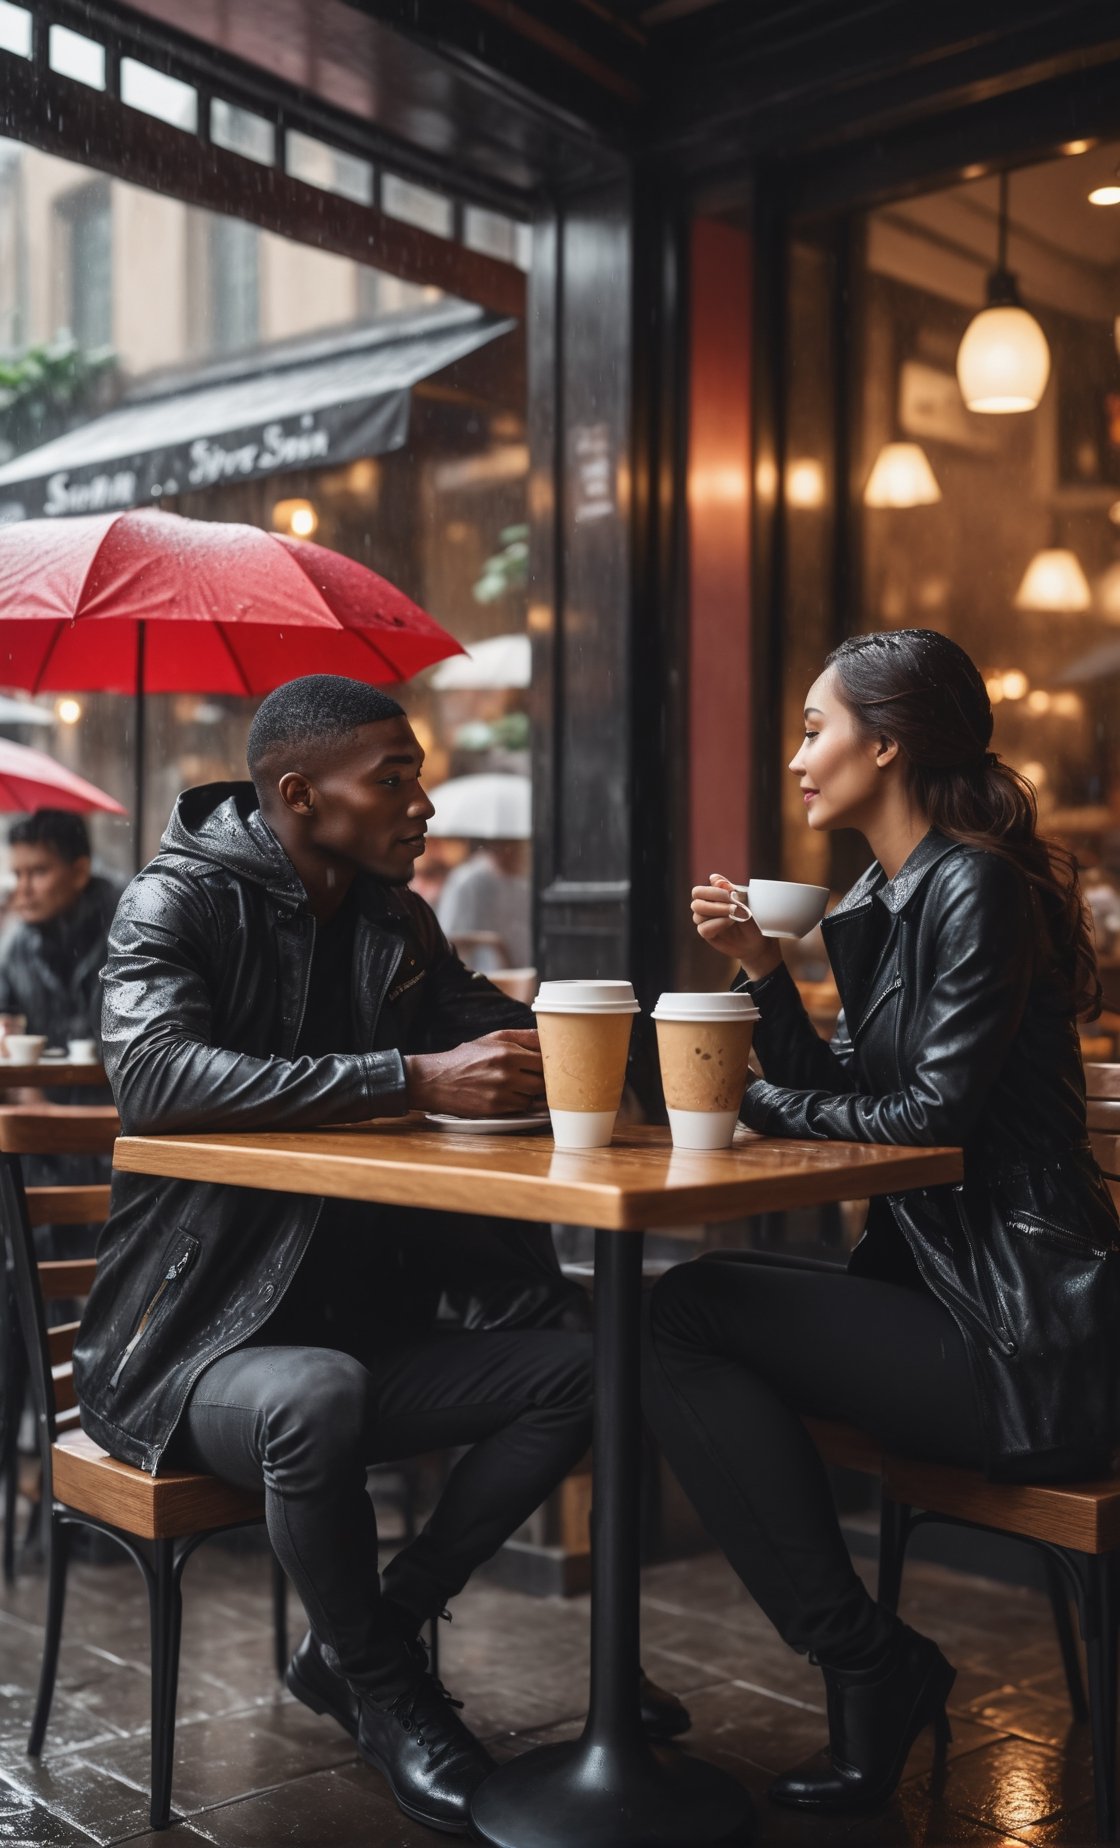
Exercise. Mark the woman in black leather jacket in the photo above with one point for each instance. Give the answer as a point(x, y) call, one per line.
point(975, 1324)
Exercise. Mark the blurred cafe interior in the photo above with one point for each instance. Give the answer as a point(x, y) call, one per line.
point(715, 287)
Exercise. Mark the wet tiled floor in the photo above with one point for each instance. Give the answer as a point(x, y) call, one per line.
point(254, 1768)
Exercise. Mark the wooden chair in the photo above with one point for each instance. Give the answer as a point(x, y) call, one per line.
point(1074, 1526)
point(158, 1520)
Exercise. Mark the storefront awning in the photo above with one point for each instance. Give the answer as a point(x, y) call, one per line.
point(305, 406)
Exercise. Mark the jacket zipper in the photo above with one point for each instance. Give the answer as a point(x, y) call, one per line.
point(885, 995)
point(174, 1271)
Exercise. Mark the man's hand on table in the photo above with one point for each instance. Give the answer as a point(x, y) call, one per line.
point(498, 1075)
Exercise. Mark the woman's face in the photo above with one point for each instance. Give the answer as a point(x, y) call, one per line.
point(840, 769)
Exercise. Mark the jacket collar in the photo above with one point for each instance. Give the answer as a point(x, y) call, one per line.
point(931, 850)
point(855, 951)
point(897, 892)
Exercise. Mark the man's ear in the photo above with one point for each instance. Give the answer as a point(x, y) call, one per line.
point(83, 871)
point(296, 793)
point(886, 752)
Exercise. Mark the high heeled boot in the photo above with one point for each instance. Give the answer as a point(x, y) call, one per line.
point(874, 1716)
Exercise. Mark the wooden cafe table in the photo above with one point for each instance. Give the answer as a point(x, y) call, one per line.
point(609, 1789)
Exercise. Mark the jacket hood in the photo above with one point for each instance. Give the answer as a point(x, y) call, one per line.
point(222, 823)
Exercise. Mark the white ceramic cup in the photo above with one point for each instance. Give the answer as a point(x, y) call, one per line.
point(82, 1051)
point(782, 908)
point(26, 1048)
point(585, 1037)
point(704, 1044)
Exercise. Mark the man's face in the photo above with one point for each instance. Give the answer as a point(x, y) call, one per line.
point(367, 806)
point(46, 884)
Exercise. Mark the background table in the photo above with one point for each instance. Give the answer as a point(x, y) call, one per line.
point(46, 1074)
point(608, 1789)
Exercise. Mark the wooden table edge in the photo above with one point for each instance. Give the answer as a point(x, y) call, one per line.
point(593, 1202)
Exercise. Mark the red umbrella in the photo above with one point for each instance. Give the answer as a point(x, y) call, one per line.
point(30, 780)
point(148, 602)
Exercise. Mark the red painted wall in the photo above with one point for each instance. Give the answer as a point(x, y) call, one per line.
point(719, 486)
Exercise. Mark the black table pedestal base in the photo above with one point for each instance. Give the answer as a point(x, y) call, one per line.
point(596, 1796)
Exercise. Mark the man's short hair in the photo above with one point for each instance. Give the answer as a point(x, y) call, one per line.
point(64, 833)
point(312, 711)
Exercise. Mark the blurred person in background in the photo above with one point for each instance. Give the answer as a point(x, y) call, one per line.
point(489, 893)
point(50, 964)
point(50, 983)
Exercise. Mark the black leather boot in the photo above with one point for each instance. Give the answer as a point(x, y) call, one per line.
point(432, 1763)
point(874, 1717)
point(663, 1715)
point(313, 1681)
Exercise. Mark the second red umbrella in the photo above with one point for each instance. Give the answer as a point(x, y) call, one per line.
point(148, 602)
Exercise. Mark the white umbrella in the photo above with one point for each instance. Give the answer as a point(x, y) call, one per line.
point(503, 661)
point(488, 807)
point(22, 712)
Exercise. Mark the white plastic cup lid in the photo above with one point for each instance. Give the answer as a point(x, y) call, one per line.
point(720, 1006)
point(586, 998)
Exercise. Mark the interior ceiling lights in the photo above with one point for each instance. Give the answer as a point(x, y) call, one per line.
point(1108, 194)
point(1054, 581)
point(1003, 362)
point(901, 477)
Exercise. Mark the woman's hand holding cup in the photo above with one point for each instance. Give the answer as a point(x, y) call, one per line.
point(721, 917)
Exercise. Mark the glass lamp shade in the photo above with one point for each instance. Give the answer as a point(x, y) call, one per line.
point(1054, 580)
point(901, 477)
point(1106, 593)
point(1003, 362)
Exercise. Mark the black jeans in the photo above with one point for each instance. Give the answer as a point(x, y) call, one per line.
point(305, 1421)
point(735, 1351)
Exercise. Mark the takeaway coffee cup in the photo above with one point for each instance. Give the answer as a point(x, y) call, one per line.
point(782, 909)
point(704, 1044)
point(584, 1029)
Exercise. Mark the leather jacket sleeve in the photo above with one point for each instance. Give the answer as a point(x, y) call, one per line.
point(981, 962)
point(791, 1050)
point(157, 1026)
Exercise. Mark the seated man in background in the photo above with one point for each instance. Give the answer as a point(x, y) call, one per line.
point(50, 964)
point(270, 968)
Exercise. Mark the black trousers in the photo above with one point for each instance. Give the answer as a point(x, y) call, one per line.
point(304, 1422)
point(735, 1351)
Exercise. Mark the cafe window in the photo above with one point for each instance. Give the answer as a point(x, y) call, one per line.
point(314, 346)
point(234, 277)
point(999, 527)
point(86, 224)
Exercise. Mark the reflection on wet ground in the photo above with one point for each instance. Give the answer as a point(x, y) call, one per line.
point(255, 1768)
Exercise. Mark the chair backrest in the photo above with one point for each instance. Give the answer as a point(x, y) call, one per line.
point(49, 1130)
point(1102, 1082)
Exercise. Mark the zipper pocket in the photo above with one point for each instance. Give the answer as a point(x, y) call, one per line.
point(180, 1263)
point(1057, 1235)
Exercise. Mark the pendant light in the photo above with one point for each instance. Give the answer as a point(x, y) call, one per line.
point(1054, 581)
point(901, 477)
point(1003, 362)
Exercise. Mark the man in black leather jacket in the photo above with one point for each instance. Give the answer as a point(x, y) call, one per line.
point(271, 968)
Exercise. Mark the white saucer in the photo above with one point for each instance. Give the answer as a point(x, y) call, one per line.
point(486, 1126)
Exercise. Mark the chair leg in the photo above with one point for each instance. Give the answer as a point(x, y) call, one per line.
point(894, 1531)
point(11, 1492)
point(1099, 1627)
point(280, 1648)
point(58, 1548)
point(1059, 1604)
point(166, 1615)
